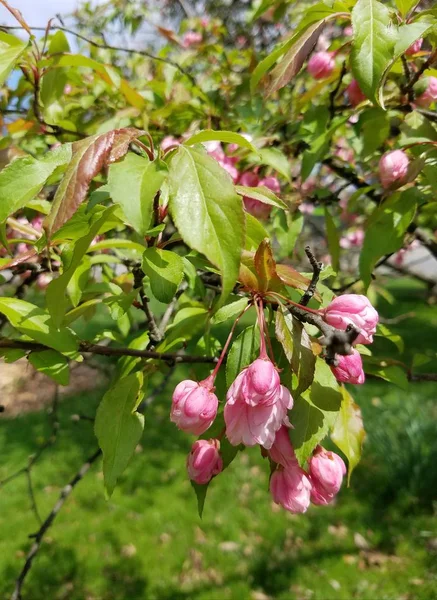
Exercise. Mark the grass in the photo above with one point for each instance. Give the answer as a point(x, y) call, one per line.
point(379, 542)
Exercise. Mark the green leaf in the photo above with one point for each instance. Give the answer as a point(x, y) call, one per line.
point(38, 325)
point(11, 48)
point(119, 304)
point(127, 363)
point(384, 332)
point(229, 137)
point(310, 427)
point(262, 194)
point(55, 295)
point(51, 363)
point(325, 392)
point(188, 323)
point(288, 227)
point(386, 229)
point(229, 311)
point(373, 46)
point(119, 427)
point(24, 177)
point(255, 233)
point(143, 179)
point(207, 211)
point(275, 158)
point(392, 373)
point(404, 6)
point(242, 353)
point(333, 238)
point(165, 270)
point(297, 347)
point(348, 433)
point(318, 148)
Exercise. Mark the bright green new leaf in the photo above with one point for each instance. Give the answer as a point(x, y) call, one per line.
point(119, 427)
point(127, 363)
point(51, 363)
point(229, 137)
point(310, 427)
point(207, 211)
point(229, 311)
point(262, 194)
point(375, 36)
point(119, 304)
point(142, 179)
point(165, 270)
point(255, 233)
point(288, 227)
point(404, 6)
point(38, 325)
point(24, 177)
point(275, 158)
point(348, 433)
point(11, 48)
point(55, 295)
point(386, 229)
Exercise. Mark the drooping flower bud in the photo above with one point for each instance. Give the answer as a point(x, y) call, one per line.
point(282, 451)
point(353, 309)
point(194, 406)
point(393, 167)
point(354, 93)
point(256, 405)
point(415, 47)
point(349, 368)
point(204, 461)
point(426, 91)
point(321, 65)
point(291, 488)
point(326, 470)
point(249, 179)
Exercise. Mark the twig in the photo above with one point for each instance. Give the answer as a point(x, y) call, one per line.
point(170, 357)
point(423, 377)
point(105, 46)
point(158, 389)
point(333, 94)
point(155, 334)
point(32, 496)
point(66, 491)
point(418, 74)
point(171, 308)
point(317, 269)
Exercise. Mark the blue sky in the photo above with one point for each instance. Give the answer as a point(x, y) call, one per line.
point(37, 12)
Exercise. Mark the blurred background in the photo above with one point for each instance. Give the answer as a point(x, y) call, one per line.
point(379, 540)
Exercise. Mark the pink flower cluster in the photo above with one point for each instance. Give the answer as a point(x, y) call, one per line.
point(356, 310)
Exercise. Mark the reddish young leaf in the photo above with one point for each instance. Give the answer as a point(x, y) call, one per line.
point(265, 266)
point(123, 137)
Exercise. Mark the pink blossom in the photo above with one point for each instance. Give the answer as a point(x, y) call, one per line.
point(393, 167)
point(353, 309)
point(249, 179)
point(349, 368)
point(348, 30)
point(271, 183)
point(256, 208)
point(291, 488)
point(256, 405)
point(321, 65)
point(430, 94)
point(306, 208)
point(353, 239)
point(327, 470)
point(204, 461)
point(282, 451)
point(43, 280)
point(194, 406)
point(191, 38)
point(415, 47)
point(169, 141)
point(354, 93)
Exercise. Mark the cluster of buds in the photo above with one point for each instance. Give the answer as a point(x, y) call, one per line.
point(393, 168)
point(345, 311)
point(256, 413)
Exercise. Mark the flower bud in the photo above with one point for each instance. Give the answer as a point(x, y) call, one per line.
point(282, 451)
point(354, 93)
point(349, 368)
point(393, 168)
point(249, 179)
point(291, 488)
point(415, 47)
point(429, 94)
point(271, 183)
point(353, 309)
point(326, 470)
point(191, 38)
point(204, 461)
point(261, 382)
point(321, 65)
point(194, 406)
point(257, 209)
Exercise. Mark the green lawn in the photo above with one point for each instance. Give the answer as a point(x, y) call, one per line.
point(378, 542)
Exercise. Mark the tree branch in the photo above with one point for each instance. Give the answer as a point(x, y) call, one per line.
point(155, 333)
point(39, 535)
point(317, 268)
point(170, 357)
